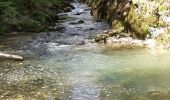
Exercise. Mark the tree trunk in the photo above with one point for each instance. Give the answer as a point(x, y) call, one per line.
point(11, 56)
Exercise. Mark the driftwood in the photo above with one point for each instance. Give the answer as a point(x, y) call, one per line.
point(11, 56)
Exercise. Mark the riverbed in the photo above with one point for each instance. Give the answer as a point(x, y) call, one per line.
point(67, 65)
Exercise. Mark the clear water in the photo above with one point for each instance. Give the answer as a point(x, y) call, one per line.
point(83, 73)
point(55, 70)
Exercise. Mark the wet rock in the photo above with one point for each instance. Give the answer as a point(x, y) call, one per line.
point(72, 7)
point(105, 32)
point(80, 22)
point(91, 29)
point(79, 13)
point(80, 43)
point(126, 42)
point(73, 34)
point(101, 38)
point(56, 28)
point(59, 28)
point(163, 39)
point(67, 9)
point(72, 23)
point(122, 35)
point(87, 9)
point(98, 20)
point(116, 32)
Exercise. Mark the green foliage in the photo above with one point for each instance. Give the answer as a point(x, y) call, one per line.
point(28, 15)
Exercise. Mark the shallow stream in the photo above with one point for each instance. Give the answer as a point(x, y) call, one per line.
point(65, 65)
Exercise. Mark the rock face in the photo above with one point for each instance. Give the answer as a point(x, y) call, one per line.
point(135, 17)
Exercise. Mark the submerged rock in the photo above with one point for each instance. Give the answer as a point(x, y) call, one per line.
point(78, 22)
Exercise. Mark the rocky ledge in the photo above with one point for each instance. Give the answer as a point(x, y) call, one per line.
point(134, 22)
point(115, 39)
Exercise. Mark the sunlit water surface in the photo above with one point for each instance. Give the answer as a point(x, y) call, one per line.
point(83, 73)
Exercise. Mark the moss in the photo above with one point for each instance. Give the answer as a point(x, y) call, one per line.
point(162, 8)
point(138, 25)
point(116, 24)
point(163, 39)
point(168, 30)
point(161, 23)
point(135, 17)
point(151, 20)
point(145, 28)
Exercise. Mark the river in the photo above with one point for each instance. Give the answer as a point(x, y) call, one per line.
point(65, 65)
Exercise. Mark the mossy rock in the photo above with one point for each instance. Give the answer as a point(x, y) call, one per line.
point(151, 20)
point(161, 23)
point(163, 39)
point(116, 24)
point(101, 38)
point(133, 17)
point(168, 30)
point(163, 8)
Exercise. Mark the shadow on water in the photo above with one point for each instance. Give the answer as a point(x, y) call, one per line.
point(56, 68)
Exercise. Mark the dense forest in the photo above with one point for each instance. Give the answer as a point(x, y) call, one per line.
point(29, 15)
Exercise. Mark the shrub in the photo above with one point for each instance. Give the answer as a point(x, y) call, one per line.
point(28, 15)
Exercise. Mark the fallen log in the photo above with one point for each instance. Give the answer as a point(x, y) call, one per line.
point(11, 56)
